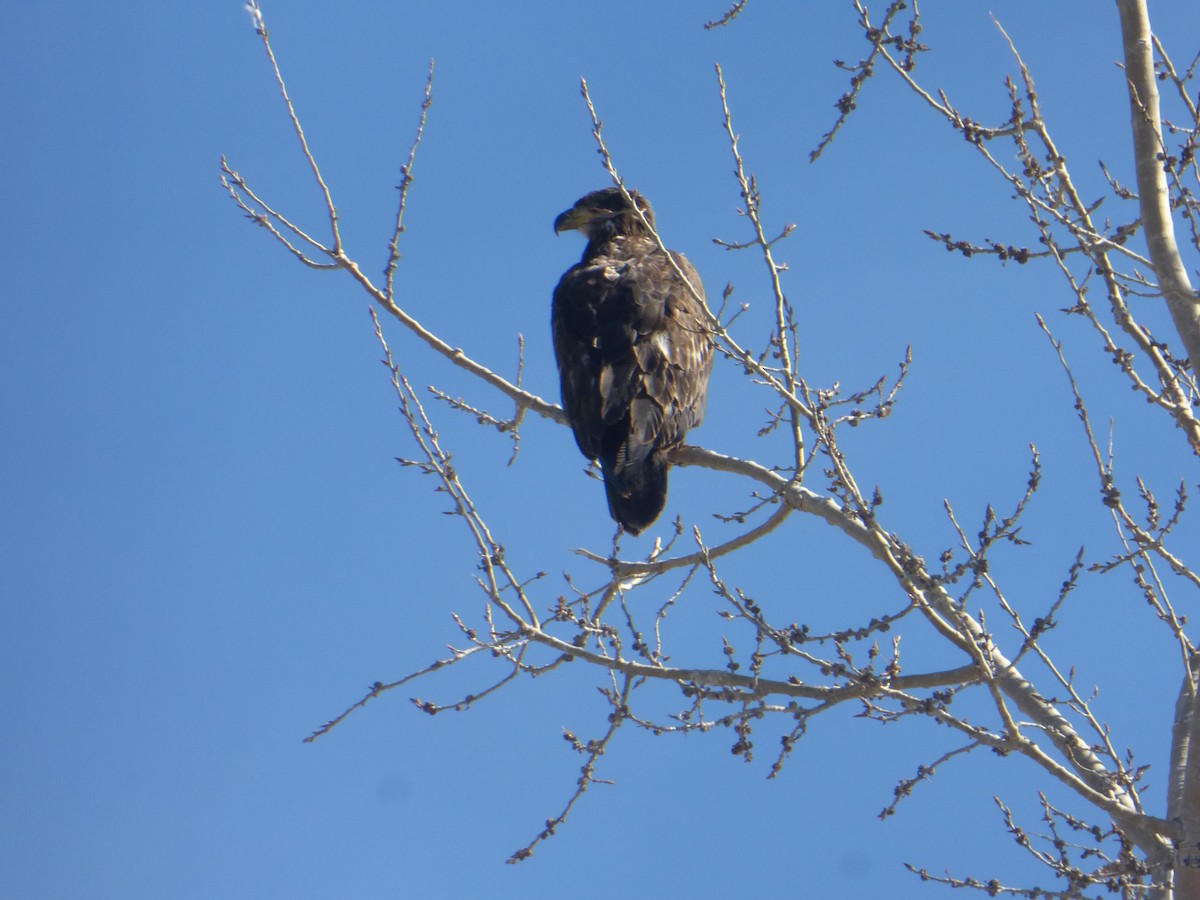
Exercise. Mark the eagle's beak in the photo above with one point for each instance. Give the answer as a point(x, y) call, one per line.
point(573, 219)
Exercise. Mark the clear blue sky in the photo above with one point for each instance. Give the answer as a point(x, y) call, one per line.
point(207, 547)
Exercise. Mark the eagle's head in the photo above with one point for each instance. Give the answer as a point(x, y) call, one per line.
point(605, 213)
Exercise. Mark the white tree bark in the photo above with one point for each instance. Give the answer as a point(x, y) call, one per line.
point(1153, 190)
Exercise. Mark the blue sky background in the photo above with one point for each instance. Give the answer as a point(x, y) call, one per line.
point(208, 549)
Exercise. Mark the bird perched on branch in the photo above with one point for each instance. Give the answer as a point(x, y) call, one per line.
point(632, 343)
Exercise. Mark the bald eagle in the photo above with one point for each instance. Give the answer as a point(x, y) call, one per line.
point(633, 350)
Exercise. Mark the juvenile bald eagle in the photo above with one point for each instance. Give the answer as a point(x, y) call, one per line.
point(633, 352)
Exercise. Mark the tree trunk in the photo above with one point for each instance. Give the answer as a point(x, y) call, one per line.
point(1149, 150)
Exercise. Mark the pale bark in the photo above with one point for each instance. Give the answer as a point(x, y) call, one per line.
point(1153, 190)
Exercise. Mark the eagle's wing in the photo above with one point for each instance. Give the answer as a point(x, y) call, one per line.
point(573, 324)
point(667, 385)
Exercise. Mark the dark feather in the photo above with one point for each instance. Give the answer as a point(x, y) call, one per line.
point(633, 352)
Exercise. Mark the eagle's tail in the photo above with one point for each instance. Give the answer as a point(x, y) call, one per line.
point(637, 495)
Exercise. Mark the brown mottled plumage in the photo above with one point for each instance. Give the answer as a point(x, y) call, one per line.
point(633, 352)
